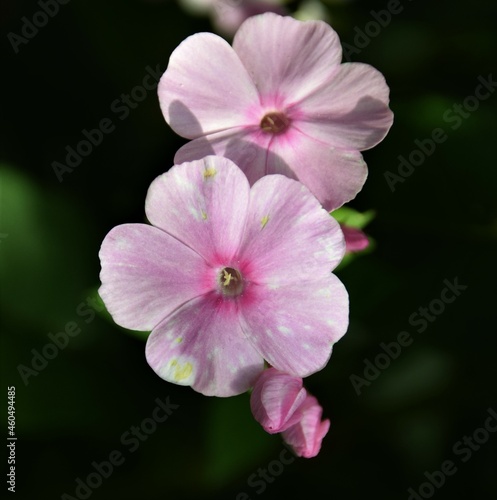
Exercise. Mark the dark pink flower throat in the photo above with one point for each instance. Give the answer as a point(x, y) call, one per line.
point(230, 282)
point(274, 123)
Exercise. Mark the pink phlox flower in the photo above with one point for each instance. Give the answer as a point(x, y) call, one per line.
point(281, 404)
point(278, 101)
point(227, 276)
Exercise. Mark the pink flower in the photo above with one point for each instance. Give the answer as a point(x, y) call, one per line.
point(275, 400)
point(280, 404)
point(228, 15)
point(227, 276)
point(306, 436)
point(278, 101)
point(355, 239)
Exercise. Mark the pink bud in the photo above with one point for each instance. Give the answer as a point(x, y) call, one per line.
point(276, 400)
point(305, 436)
point(355, 239)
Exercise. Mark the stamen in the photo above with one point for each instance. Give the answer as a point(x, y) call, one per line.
point(231, 282)
point(274, 123)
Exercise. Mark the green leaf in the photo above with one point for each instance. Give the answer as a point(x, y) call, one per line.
point(352, 218)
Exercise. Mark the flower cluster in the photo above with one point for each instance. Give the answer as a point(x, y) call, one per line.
point(234, 272)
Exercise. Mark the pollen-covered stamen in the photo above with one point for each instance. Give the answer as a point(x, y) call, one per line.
point(274, 123)
point(230, 282)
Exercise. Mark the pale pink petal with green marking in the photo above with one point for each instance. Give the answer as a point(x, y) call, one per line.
point(202, 345)
point(289, 238)
point(203, 204)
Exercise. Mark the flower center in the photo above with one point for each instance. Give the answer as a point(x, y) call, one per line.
point(230, 281)
point(274, 123)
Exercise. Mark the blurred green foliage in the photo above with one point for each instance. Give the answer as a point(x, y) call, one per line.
point(440, 223)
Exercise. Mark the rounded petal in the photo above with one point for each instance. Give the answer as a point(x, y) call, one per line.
point(205, 88)
point(146, 274)
point(351, 111)
point(203, 204)
point(276, 399)
point(333, 175)
point(289, 238)
point(246, 148)
point(294, 326)
point(305, 437)
point(202, 345)
point(286, 58)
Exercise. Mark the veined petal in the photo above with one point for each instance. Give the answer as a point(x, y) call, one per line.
point(247, 148)
point(203, 204)
point(287, 59)
point(333, 175)
point(350, 111)
point(276, 400)
point(294, 327)
point(202, 345)
point(305, 437)
point(146, 274)
point(205, 88)
point(289, 237)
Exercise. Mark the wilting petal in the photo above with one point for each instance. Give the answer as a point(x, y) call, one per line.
point(351, 111)
point(205, 88)
point(203, 204)
point(286, 58)
point(295, 326)
point(305, 437)
point(146, 274)
point(276, 399)
point(289, 237)
point(202, 345)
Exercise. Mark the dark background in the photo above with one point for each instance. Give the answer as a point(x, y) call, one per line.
point(440, 223)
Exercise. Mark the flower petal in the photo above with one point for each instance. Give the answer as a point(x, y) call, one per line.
point(286, 58)
point(294, 327)
point(289, 237)
point(146, 274)
point(202, 345)
point(246, 148)
point(276, 399)
point(305, 437)
point(334, 176)
point(205, 88)
point(203, 204)
point(350, 111)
